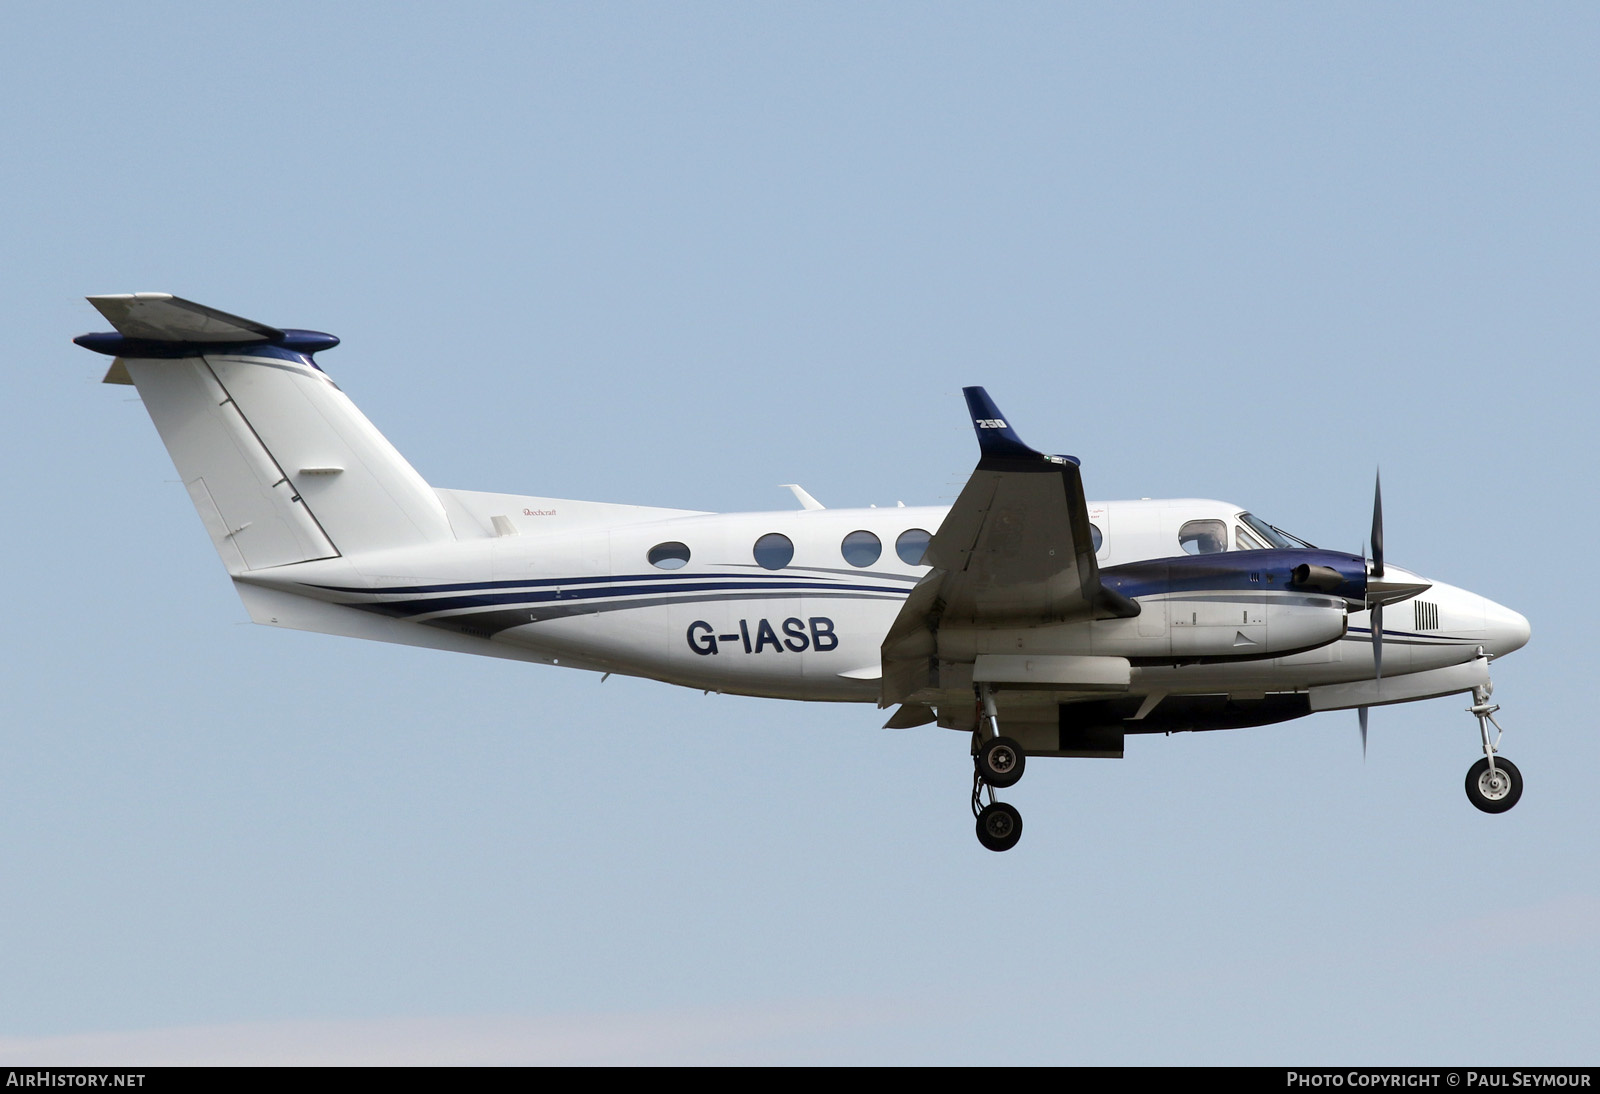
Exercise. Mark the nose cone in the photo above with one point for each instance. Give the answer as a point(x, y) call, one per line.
point(1505, 629)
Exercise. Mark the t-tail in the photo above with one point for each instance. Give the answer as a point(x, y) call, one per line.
point(278, 461)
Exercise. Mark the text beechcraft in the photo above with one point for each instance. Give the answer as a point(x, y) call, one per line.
point(1023, 616)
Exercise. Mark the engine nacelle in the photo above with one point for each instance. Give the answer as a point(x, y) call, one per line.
point(1175, 627)
point(1225, 627)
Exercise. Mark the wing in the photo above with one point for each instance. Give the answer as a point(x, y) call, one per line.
point(1015, 550)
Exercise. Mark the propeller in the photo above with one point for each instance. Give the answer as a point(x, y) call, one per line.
point(1380, 591)
point(1376, 571)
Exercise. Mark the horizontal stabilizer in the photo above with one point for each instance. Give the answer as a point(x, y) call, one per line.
point(160, 316)
point(155, 325)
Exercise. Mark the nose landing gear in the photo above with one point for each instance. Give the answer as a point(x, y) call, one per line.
point(1493, 785)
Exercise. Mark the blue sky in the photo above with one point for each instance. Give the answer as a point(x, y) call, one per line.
point(678, 255)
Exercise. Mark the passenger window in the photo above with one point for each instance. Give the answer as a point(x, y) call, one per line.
point(911, 546)
point(1203, 537)
point(861, 548)
point(1096, 537)
point(774, 551)
point(668, 556)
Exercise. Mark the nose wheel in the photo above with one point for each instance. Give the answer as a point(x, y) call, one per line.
point(1494, 784)
point(1494, 789)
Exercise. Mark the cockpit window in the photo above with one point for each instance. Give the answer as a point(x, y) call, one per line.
point(1274, 535)
point(1203, 537)
point(1244, 541)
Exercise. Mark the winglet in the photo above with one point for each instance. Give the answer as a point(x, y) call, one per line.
point(995, 435)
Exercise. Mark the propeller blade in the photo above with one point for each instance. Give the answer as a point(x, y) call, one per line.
point(1375, 597)
point(1377, 526)
point(1377, 639)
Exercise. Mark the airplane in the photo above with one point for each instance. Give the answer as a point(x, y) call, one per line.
point(1033, 621)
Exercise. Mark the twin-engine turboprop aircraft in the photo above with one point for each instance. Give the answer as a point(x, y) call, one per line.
point(1031, 620)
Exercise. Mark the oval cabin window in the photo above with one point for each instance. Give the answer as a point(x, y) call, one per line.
point(668, 556)
point(861, 548)
point(774, 551)
point(912, 545)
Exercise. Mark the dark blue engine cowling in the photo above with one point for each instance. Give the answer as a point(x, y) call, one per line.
point(1243, 570)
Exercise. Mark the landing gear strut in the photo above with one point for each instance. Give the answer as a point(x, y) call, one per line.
point(997, 762)
point(1494, 785)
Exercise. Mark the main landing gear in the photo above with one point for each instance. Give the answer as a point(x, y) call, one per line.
point(1494, 785)
point(997, 762)
point(1000, 761)
point(999, 823)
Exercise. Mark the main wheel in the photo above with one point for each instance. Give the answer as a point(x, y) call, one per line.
point(999, 826)
point(1494, 791)
point(1000, 762)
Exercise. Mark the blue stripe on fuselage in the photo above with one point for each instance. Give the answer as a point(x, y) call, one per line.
point(544, 596)
point(534, 583)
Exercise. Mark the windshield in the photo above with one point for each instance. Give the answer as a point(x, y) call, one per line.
point(1275, 536)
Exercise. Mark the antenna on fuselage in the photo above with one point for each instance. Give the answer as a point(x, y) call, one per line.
point(806, 500)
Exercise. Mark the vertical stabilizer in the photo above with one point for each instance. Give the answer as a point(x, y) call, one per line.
point(280, 464)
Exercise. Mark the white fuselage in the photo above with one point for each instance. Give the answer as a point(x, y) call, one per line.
point(572, 583)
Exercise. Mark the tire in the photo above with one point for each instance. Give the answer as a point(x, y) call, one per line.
point(999, 826)
point(1000, 762)
point(1494, 795)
